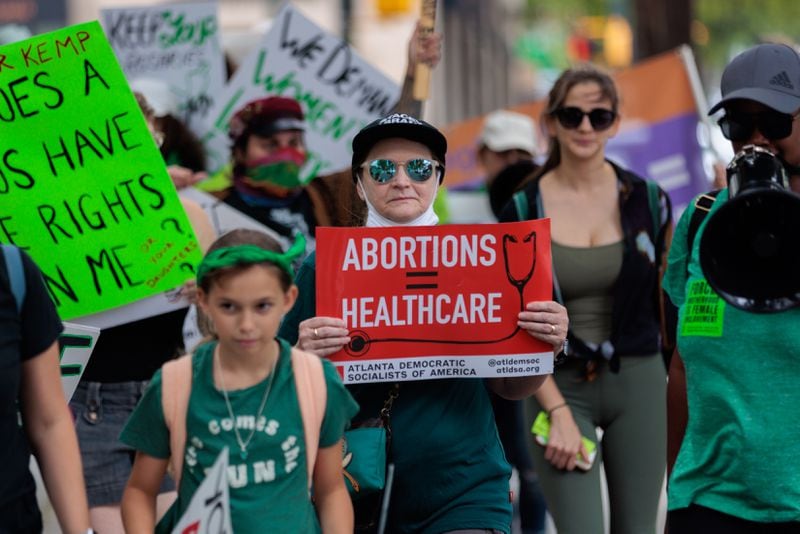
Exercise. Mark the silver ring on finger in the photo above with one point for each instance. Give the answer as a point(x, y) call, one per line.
point(552, 329)
point(316, 334)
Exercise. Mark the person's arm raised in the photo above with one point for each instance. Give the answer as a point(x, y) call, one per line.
point(425, 49)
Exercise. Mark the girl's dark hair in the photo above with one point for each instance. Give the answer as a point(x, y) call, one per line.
point(571, 77)
point(244, 236)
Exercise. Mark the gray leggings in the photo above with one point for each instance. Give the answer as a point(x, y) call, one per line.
point(630, 407)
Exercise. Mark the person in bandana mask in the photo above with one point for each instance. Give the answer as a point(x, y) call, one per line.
point(268, 151)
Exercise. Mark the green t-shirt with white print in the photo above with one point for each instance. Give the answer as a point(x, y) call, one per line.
point(268, 485)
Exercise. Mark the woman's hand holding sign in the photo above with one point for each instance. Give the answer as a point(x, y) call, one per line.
point(546, 321)
point(322, 335)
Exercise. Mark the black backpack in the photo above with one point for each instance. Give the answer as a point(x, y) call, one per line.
point(16, 274)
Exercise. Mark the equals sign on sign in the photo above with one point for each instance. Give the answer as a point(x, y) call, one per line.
point(422, 280)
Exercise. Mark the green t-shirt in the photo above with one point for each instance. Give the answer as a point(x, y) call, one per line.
point(269, 487)
point(743, 392)
point(450, 470)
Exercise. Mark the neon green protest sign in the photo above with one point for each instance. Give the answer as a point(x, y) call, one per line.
point(83, 187)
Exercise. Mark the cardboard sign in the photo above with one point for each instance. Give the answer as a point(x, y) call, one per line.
point(83, 187)
point(657, 137)
point(76, 343)
point(433, 302)
point(209, 509)
point(176, 43)
point(338, 91)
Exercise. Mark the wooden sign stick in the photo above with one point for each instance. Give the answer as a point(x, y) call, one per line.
point(422, 73)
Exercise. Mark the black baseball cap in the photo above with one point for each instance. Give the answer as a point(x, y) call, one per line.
point(768, 74)
point(397, 125)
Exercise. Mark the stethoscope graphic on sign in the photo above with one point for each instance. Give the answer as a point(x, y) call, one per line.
point(360, 341)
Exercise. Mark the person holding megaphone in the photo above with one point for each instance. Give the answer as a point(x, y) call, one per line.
point(734, 274)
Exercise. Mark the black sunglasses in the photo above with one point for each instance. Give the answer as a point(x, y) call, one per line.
point(572, 117)
point(383, 170)
point(772, 124)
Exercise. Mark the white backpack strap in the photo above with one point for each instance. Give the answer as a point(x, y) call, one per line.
point(176, 387)
point(312, 395)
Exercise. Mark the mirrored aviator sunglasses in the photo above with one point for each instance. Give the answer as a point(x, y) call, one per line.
point(418, 170)
point(740, 127)
point(572, 117)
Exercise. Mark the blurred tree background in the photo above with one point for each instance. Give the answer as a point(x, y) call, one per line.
point(534, 40)
point(722, 29)
point(715, 29)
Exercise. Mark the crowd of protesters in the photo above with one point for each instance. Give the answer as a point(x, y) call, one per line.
point(718, 420)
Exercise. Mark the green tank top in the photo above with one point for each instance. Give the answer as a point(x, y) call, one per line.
point(586, 277)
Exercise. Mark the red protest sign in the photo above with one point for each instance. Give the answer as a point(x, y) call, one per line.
point(435, 301)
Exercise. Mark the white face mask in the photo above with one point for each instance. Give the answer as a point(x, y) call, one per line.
point(376, 220)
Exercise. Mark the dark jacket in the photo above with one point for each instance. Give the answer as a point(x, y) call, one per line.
point(636, 313)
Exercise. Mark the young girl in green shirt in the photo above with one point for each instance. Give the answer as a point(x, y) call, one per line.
point(244, 397)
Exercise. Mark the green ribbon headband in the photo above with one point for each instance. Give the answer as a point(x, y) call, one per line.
point(251, 254)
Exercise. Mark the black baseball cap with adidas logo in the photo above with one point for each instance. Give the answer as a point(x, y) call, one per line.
point(768, 74)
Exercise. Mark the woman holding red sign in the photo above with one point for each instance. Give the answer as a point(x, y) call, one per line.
point(607, 262)
point(450, 472)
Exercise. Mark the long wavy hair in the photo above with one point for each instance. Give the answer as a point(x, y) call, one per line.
point(586, 73)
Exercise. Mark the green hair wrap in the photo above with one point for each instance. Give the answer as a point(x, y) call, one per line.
point(249, 255)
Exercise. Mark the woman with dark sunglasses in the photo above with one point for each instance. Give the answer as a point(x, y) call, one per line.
point(610, 230)
point(450, 471)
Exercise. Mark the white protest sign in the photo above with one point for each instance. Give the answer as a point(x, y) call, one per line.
point(338, 91)
point(141, 309)
point(224, 218)
point(76, 344)
point(176, 43)
point(209, 509)
point(192, 336)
